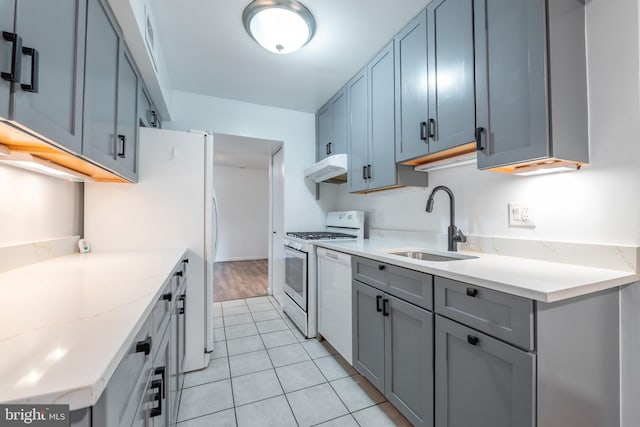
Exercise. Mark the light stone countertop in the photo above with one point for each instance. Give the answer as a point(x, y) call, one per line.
point(543, 281)
point(66, 323)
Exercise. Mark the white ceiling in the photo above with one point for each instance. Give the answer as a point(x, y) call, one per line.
point(208, 51)
point(243, 152)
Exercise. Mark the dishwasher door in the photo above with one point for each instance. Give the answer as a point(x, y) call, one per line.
point(334, 300)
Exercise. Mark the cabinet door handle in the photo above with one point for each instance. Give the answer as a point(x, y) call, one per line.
point(423, 131)
point(330, 148)
point(157, 397)
point(178, 273)
point(16, 63)
point(183, 299)
point(154, 119)
point(35, 69)
point(186, 260)
point(378, 301)
point(433, 129)
point(472, 340)
point(167, 297)
point(144, 346)
point(381, 267)
point(122, 143)
point(161, 371)
point(472, 292)
point(479, 144)
point(385, 307)
point(368, 171)
point(364, 173)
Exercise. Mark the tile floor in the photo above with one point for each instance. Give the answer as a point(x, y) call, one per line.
point(263, 372)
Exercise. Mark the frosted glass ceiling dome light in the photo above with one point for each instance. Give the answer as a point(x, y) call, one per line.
point(280, 26)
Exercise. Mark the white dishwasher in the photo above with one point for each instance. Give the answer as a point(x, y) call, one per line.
point(334, 300)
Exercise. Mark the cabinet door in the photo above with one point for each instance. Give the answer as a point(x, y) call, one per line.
point(49, 98)
point(100, 86)
point(411, 89)
point(173, 377)
point(6, 24)
point(159, 407)
point(338, 143)
point(511, 87)
point(358, 133)
point(323, 126)
point(409, 360)
point(481, 381)
point(144, 108)
point(368, 333)
point(382, 169)
point(127, 139)
point(452, 110)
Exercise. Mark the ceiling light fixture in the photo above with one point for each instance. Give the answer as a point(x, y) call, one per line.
point(36, 164)
point(280, 26)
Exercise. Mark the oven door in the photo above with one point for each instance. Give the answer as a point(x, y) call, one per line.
point(295, 283)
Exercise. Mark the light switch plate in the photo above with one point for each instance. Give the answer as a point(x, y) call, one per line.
point(521, 214)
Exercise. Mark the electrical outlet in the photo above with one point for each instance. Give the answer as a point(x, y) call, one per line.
point(521, 214)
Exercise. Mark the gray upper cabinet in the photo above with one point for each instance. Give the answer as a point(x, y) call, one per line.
point(324, 131)
point(481, 381)
point(382, 166)
point(110, 95)
point(6, 47)
point(530, 81)
point(147, 113)
point(411, 95)
point(127, 116)
point(452, 113)
point(48, 98)
point(358, 134)
point(331, 125)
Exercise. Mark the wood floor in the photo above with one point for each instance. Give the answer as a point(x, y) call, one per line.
point(240, 279)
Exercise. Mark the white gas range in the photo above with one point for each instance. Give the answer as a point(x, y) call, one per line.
point(300, 301)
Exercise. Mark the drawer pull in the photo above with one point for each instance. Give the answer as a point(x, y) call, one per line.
point(381, 267)
point(385, 307)
point(378, 301)
point(167, 297)
point(472, 340)
point(161, 371)
point(182, 298)
point(178, 273)
point(186, 260)
point(144, 346)
point(472, 292)
point(157, 397)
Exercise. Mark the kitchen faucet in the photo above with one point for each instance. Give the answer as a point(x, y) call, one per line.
point(454, 235)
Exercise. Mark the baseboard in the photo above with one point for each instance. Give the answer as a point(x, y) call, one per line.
point(247, 258)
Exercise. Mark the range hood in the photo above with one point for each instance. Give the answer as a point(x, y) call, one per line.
point(332, 169)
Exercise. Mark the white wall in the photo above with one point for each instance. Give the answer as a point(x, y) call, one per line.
point(243, 213)
point(37, 207)
point(295, 129)
point(598, 204)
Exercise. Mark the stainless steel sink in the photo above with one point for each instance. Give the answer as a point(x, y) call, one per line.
point(426, 256)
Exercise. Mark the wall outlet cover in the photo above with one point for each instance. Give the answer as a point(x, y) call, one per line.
point(521, 214)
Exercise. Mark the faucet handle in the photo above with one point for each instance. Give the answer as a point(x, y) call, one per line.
point(460, 237)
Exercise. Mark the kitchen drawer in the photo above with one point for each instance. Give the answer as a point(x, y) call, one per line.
point(162, 311)
point(507, 317)
point(412, 286)
point(116, 406)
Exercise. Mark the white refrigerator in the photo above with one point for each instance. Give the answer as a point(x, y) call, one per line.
point(172, 205)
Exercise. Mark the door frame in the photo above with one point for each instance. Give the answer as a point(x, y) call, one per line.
point(276, 217)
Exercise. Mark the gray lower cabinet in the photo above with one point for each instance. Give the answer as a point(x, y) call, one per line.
point(531, 90)
point(145, 388)
point(393, 349)
point(48, 94)
point(110, 95)
point(481, 381)
point(7, 8)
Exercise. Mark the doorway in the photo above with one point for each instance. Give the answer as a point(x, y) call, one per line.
point(244, 196)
